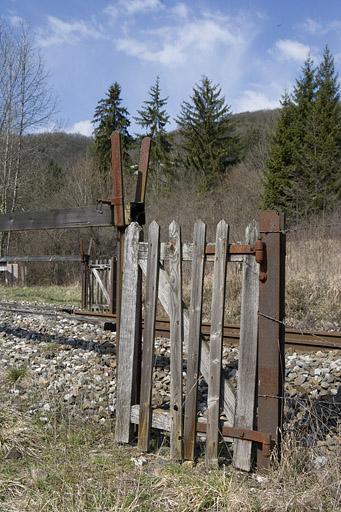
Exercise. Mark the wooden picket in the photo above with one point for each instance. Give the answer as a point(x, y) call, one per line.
point(246, 384)
point(176, 341)
point(149, 335)
point(216, 344)
point(194, 340)
point(231, 415)
point(127, 371)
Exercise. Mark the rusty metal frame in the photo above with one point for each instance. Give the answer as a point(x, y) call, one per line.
point(271, 331)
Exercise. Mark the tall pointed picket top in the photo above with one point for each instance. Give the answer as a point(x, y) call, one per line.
point(174, 228)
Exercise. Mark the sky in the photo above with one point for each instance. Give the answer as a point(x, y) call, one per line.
point(253, 49)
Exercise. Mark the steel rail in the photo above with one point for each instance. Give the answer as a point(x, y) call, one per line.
point(301, 340)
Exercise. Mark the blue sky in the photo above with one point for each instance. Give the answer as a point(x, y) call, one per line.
point(254, 49)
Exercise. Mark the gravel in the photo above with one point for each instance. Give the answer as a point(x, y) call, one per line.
point(56, 364)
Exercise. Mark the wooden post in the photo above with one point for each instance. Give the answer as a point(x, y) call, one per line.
point(130, 329)
point(216, 344)
point(113, 284)
point(271, 357)
point(85, 281)
point(194, 340)
point(176, 340)
point(247, 364)
point(145, 422)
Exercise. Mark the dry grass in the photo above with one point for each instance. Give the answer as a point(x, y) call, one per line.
point(78, 468)
point(64, 464)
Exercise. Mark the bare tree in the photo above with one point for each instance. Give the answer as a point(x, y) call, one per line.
point(26, 103)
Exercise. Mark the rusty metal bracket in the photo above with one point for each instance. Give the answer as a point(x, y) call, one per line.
point(263, 439)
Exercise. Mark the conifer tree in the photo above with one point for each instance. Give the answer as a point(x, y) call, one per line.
point(153, 118)
point(209, 143)
point(280, 172)
point(307, 180)
point(110, 115)
point(321, 151)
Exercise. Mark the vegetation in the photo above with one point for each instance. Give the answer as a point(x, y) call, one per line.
point(303, 169)
point(153, 118)
point(109, 116)
point(209, 144)
point(45, 294)
point(63, 464)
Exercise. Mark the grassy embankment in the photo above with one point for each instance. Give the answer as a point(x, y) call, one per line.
point(66, 465)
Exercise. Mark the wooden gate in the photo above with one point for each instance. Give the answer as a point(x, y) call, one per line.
point(248, 416)
point(98, 283)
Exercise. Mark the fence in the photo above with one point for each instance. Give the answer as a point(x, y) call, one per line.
point(251, 415)
point(98, 284)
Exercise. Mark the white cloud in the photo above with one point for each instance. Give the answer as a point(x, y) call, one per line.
point(254, 100)
point(288, 49)
point(132, 7)
point(173, 45)
point(180, 10)
point(82, 127)
point(312, 26)
point(59, 32)
point(316, 28)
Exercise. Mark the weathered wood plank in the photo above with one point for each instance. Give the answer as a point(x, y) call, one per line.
point(161, 420)
point(216, 344)
point(247, 366)
point(82, 217)
point(43, 258)
point(229, 400)
point(126, 371)
point(176, 340)
point(149, 336)
point(187, 249)
point(194, 339)
point(101, 284)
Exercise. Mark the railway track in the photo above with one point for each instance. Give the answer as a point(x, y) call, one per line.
point(301, 340)
point(297, 339)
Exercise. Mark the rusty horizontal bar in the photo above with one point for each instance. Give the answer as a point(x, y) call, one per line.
point(161, 420)
point(240, 249)
point(242, 433)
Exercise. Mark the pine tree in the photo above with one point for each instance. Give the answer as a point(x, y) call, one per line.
point(153, 118)
point(280, 172)
point(303, 171)
point(109, 116)
point(284, 177)
point(209, 143)
point(321, 151)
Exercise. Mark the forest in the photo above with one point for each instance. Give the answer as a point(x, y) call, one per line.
point(215, 164)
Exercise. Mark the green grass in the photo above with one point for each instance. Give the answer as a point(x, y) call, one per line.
point(71, 465)
point(45, 294)
point(16, 372)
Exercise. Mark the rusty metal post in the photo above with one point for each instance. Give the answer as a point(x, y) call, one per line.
point(117, 202)
point(271, 331)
